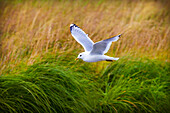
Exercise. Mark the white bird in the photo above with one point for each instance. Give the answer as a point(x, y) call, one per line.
point(93, 51)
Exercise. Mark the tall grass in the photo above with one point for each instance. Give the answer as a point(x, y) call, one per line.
point(30, 28)
point(44, 88)
point(126, 86)
point(142, 83)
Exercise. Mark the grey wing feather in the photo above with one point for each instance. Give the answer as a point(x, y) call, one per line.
point(81, 37)
point(103, 46)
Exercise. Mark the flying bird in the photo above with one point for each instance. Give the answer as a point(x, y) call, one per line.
point(93, 51)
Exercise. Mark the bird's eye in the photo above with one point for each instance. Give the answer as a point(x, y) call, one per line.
point(80, 55)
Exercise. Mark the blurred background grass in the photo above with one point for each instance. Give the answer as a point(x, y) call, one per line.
point(31, 28)
point(37, 55)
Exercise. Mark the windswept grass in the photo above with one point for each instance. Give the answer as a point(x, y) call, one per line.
point(45, 88)
point(125, 86)
point(139, 84)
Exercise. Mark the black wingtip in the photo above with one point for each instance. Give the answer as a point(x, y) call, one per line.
point(72, 25)
point(120, 35)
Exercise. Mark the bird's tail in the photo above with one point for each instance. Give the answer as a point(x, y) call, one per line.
point(115, 58)
point(112, 58)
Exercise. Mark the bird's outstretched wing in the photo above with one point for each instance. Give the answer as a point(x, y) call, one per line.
point(81, 37)
point(102, 47)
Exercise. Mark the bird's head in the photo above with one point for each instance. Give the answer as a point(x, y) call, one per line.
point(81, 56)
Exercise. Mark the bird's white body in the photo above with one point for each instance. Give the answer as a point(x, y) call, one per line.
point(96, 58)
point(93, 51)
point(87, 57)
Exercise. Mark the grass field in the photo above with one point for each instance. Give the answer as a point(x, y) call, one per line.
point(37, 68)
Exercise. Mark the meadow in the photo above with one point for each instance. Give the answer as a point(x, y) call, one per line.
point(38, 72)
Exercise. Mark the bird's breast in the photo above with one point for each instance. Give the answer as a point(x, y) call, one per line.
point(93, 58)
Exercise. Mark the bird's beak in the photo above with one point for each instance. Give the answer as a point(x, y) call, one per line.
point(76, 58)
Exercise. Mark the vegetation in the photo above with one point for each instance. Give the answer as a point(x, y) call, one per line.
point(125, 86)
point(38, 72)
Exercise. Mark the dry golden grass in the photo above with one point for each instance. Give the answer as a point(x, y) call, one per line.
point(32, 28)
